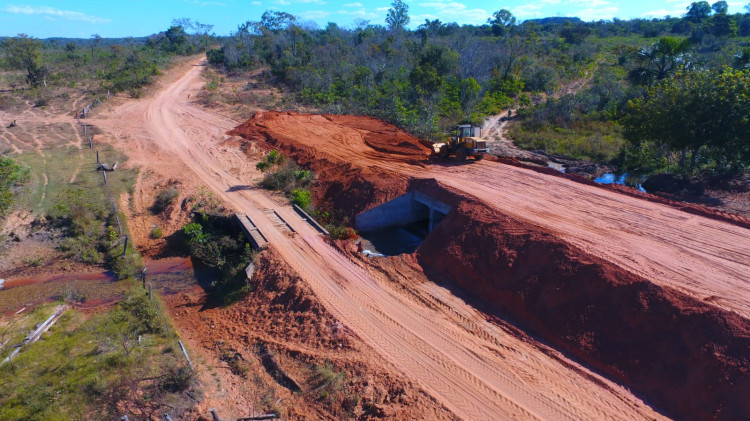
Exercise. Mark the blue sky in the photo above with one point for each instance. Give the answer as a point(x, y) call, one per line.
point(120, 18)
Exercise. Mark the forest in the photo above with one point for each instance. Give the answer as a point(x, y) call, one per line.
point(588, 90)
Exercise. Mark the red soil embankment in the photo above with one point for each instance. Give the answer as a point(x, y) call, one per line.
point(342, 184)
point(684, 355)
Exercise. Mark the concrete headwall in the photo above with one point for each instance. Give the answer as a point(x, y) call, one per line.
point(400, 211)
point(403, 210)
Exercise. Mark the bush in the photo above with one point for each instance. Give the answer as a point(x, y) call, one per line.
point(156, 233)
point(165, 198)
point(302, 198)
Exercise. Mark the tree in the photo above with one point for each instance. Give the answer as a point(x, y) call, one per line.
point(25, 53)
point(659, 60)
point(720, 7)
point(397, 17)
point(500, 21)
point(698, 11)
point(700, 112)
point(95, 40)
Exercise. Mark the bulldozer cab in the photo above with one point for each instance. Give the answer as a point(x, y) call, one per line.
point(466, 130)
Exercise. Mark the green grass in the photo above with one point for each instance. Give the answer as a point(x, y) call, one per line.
point(92, 367)
point(63, 166)
point(592, 140)
point(63, 172)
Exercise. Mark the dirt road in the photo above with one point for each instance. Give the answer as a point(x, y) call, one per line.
point(476, 369)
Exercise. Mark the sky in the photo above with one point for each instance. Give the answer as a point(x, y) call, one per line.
point(123, 18)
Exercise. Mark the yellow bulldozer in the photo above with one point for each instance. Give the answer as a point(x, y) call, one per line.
point(465, 141)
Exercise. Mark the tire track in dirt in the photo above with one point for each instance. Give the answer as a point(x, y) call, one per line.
point(462, 370)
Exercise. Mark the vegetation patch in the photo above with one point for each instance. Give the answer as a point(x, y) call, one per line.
point(103, 366)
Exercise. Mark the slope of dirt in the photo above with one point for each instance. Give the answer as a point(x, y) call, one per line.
point(684, 354)
point(342, 185)
point(283, 318)
point(578, 263)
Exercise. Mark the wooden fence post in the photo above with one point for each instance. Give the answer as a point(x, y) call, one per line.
point(150, 292)
point(213, 414)
point(104, 174)
point(125, 248)
point(97, 156)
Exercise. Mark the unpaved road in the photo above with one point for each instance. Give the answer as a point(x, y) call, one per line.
point(476, 369)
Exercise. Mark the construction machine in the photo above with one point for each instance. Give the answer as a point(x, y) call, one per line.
point(465, 141)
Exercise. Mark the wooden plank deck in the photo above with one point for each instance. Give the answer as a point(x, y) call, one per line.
point(253, 234)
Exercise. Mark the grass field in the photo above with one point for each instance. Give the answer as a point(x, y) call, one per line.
point(94, 366)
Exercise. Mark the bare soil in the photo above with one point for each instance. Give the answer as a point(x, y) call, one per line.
point(621, 282)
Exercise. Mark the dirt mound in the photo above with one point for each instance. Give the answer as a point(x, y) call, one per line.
point(280, 350)
point(685, 355)
point(343, 185)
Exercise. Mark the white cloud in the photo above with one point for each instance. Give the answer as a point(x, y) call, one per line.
point(526, 10)
point(452, 8)
point(51, 12)
point(361, 13)
point(660, 13)
point(256, 3)
point(591, 14)
point(314, 14)
point(353, 5)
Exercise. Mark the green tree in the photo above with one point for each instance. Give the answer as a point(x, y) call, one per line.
point(701, 113)
point(11, 175)
point(720, 7)
point(500, 21)
point(398, 16)
point(25, 53)
point(697, 12)
point(95, 40)
point(659, 60)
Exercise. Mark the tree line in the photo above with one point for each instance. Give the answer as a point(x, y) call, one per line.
point(562, 73)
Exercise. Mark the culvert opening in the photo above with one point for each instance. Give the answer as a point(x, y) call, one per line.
point(399, 226)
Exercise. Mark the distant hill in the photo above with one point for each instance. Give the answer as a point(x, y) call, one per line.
point(555, 20)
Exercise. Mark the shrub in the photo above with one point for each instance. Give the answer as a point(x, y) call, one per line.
point(156, 233)
point(165, 198)
point(302, 198)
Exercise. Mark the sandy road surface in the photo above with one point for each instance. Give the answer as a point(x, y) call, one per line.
point(482, 372)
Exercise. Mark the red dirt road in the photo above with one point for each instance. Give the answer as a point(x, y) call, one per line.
point(476, 369)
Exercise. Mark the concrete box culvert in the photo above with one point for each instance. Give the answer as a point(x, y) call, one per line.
point(407, 209)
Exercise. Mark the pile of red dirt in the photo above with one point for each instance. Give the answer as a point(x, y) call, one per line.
point(283, 318)
point(341, 184)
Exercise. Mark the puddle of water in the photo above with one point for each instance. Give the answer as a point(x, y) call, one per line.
point(393, 241)
point(623, 179)
point(556, 166)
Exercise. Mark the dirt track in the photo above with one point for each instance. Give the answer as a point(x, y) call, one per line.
point(475, 368)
